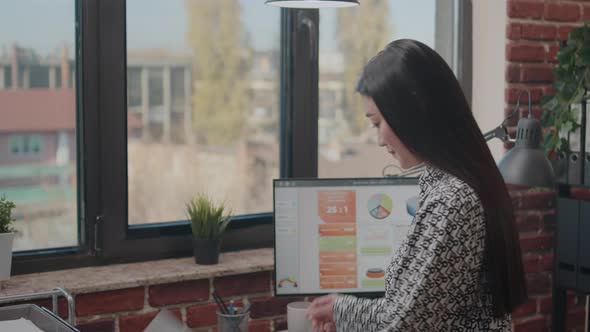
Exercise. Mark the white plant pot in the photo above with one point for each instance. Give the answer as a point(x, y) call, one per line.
point(5, 255)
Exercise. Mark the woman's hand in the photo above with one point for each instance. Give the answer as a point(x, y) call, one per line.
point(320, 312)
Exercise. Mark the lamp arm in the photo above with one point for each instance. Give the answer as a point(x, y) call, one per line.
point(499, 132)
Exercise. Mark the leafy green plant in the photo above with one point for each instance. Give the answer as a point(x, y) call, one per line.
point(572, 80)
point(208, 218)
point(6, 219)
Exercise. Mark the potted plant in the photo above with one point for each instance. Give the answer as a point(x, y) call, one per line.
point(208, 222)
point(6, 237)
point(572, 81)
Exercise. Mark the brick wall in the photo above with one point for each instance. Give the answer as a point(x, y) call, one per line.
point(533, 32)
point(536, 221)
point(132, 309)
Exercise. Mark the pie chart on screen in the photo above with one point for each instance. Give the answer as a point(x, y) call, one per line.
point(380, 206)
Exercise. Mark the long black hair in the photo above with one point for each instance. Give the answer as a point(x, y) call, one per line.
point(422, 101)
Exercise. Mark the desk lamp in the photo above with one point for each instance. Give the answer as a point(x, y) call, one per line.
point(524, 165)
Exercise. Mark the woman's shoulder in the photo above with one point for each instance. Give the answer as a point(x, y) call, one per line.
point(454, 192)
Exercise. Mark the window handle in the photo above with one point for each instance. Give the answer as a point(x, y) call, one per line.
point(311, 28)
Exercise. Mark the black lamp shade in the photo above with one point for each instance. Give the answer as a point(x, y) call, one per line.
point(527, 167)
point(312, 3)
point(526, 163)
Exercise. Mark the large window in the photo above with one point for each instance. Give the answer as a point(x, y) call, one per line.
point(203, 80)
point(169, 99)
point(38, 121)
point(348, 40)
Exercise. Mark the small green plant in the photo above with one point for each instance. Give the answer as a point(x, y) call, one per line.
point(208, 219)
point(6, 219)
point(572, 80)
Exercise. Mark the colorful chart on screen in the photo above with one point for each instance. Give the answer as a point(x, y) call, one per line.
point(380, 206)
point(338, 235)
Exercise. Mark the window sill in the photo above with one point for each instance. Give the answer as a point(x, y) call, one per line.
point(120, 276)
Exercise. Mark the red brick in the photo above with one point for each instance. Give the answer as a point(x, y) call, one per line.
point(562, 12)
point(537, 199)
point(280, 324)
point(548, 89)
point(537, 112)
point(537, 324)
point(513, 73)
point(179, 292)
point(138, 323)
point(259, 326)
point(251, 283)
point(513, 31)
point(524, 9)
point(270, 306)
point(110, 301)
point(511, 95)
point(526, 52)
point(512, 121)
point(575, 320)
point(527, 222)
point(527, 309)
point(535, 242)
point(537, 74)
point(545, 305)
point(201, 315)
point(586, 13)
point(580, 193)
point(531, 264)
point(564, 31)
point(551, 55)
point(133, 323)
point(546, 262)
point(538, 283)
point(539, 32)
point(97, 326)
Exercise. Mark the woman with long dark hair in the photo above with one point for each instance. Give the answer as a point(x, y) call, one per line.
point(459, 268)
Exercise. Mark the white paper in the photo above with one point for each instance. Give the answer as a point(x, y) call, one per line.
point(19, 325)
point(166, 321)
point(575, 136)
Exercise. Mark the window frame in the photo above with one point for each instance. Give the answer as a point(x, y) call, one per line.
point(31, 261)
point(101, 93)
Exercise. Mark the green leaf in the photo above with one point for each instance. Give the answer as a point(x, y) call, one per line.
point(208, 218)
point(577, 34)
point(572, 79)
point(566, 54)
point(583, 55)
point(567, 127)
point(550, 103)
point(558, 144)
point(6, 218)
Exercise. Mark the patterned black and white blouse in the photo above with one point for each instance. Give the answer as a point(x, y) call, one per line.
point(435, 281)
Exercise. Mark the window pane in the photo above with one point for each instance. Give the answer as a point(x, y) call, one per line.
point(206, 83)
point(349, 37)
point(38, 121)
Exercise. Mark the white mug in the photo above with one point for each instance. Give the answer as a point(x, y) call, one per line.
point(296, 320)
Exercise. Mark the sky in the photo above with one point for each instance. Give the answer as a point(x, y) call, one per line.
point(45, 24)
